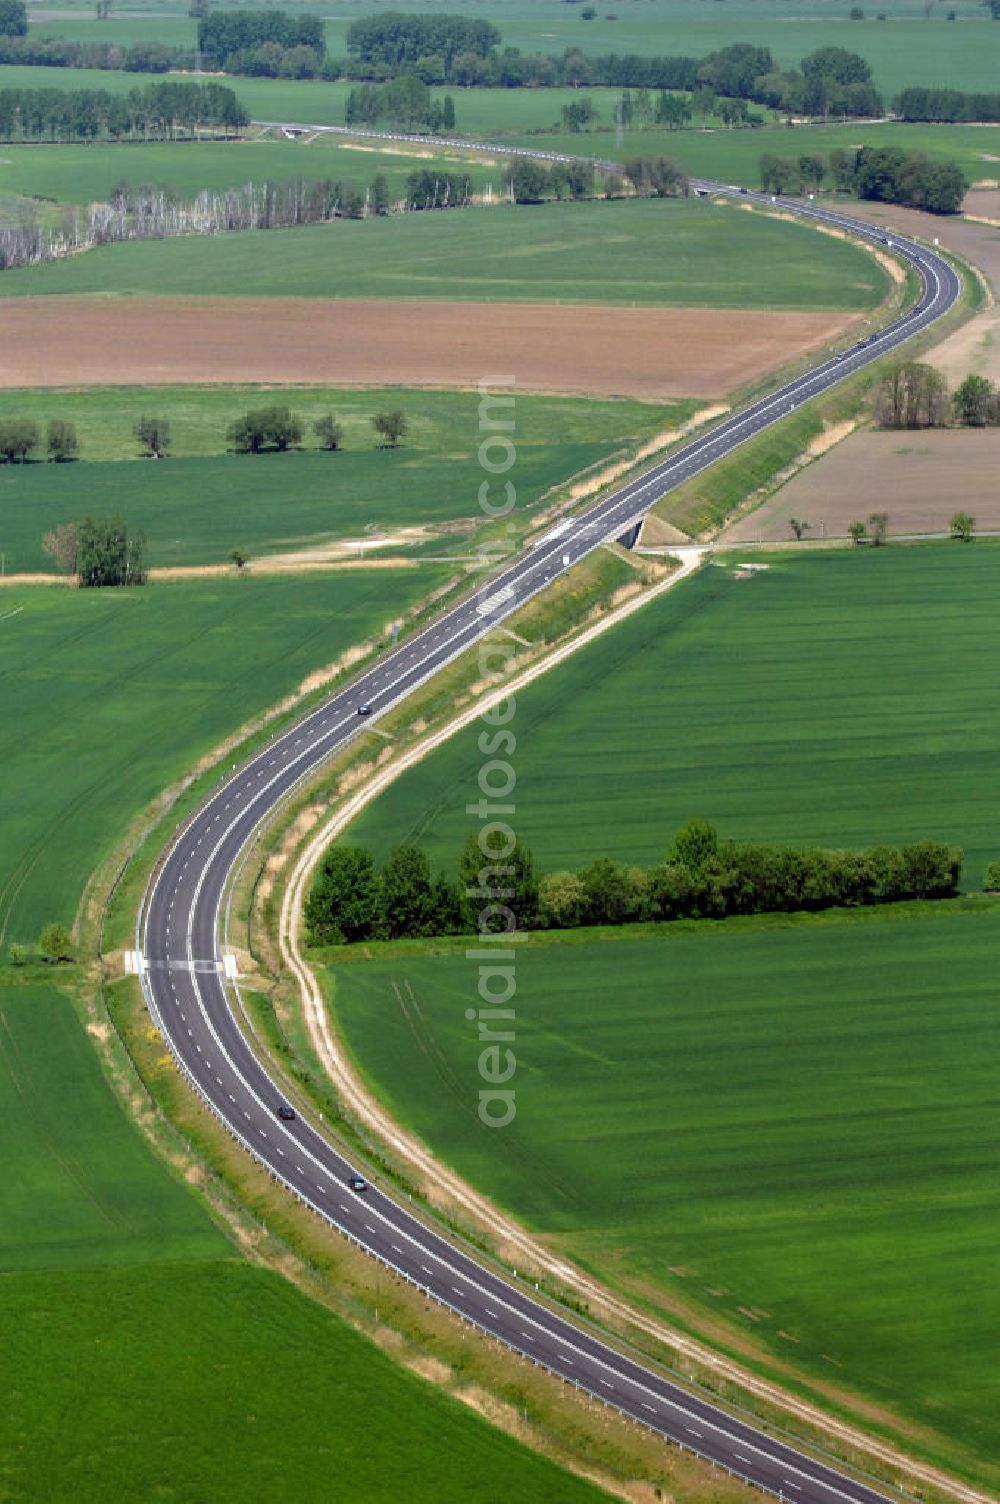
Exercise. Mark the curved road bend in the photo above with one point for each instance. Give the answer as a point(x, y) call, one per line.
point(183, 981)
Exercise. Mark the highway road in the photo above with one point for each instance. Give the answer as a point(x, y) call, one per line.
point(178, 938)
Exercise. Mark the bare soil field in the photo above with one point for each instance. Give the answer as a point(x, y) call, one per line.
point(983, 203)
point(921, 479)
point(651, 353)
point(976, 346)
point(978, 243)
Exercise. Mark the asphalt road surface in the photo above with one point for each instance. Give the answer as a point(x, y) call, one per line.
point(178, 936)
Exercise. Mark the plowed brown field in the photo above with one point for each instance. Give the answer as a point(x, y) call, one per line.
point(652, 353)
point(920, 479)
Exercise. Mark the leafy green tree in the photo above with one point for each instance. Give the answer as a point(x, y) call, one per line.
point(18, 954)
point(446, 901)
point(18, 437)
point(932, 870)
point(962, 526)
point(429, 188)
point(780, 174)
point(61, 440)
point(407, 893)
point(239, 557)
point(561, 901)
point(878, 528)
point(448, 113)
point(55, 944)
point(108, 554)
point(329, 432)
point(656, 177)
point(843, 166)
point(62, 545)
point(232, 39)
point(857, 532)
point(499, 888)
point(609, 892)
point(344, 904)
point(694, 844)
point(812, 168)
point(272, 427)
point(672, 110)
point(578, 114)
point(13, 18)
point(670, 890)
point(379, 201)
point(975, 402)
point(991, 877)
point(838, 64)
point(390, 426)
point(911, 394)
point(154, 436)
point(528, 182)
point(891, 175)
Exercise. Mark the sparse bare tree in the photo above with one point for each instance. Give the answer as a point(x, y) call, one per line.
point(878, 528)
point(62, 545)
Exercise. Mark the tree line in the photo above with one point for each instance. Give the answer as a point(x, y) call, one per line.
point(274, 426)
point(232, 40)
point(944, 106)
point(884, 174)
point(144, 212)
point(455, 50)
point(702, 877)
point(404, 101)
point(63, 52)
point(159, 112)
point(875, 532)
point(832, 81)
point(913, 395)
point(450, 49)
point(20, 437)
point(277, 427)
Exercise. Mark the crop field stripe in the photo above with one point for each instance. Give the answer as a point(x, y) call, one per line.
point(835, 698)
point(789, 1127)
point(119, 703)
point(601, 253)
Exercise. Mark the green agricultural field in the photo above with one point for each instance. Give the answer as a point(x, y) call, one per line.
point(835, 698)
point(224, 1382)
point(141, 1359)
point(789, 1126)
point(121, 29)
point(196, 507)
point(80, 1187)
point(906, 49)
point(118, 692)
point(82, 174)
point(683, 253)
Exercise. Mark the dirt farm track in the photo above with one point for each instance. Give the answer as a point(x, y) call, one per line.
point(650, 353)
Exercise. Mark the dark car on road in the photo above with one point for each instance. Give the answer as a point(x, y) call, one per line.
point(285, 1113)
point(358, 1183)
point(364, 710)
